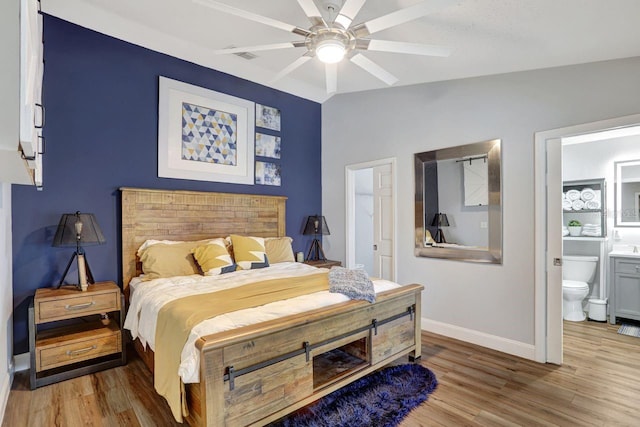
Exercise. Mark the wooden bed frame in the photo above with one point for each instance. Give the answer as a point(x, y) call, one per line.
point(256, 374)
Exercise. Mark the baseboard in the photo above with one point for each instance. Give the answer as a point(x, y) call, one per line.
point(21, 362)
point(493, 342)
point(5, 388)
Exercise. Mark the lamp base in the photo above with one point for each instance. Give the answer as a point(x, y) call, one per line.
point(316, 250)
point(85, 277)
point(440, 236)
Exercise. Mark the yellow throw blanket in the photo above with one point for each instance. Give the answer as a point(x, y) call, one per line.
point(178, 317)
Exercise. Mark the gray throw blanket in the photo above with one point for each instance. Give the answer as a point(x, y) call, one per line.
point(353, 283)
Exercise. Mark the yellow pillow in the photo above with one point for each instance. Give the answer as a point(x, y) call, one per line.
point(214, 258)
point(168, 260)
point(249, 252)
point(278, 249)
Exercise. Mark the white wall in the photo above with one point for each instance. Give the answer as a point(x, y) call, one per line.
point(490, 304)
point(6, 297)
point(364, 218)
point(464, 221)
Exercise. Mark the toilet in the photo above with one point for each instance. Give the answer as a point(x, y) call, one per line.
point(577, 272)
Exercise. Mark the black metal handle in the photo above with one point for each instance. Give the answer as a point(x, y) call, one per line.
point(41, 145)
point(41, 117)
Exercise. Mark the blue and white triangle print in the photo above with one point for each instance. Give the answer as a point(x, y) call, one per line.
point(209, 135)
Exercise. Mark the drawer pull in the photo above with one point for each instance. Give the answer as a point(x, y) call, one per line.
point(79, 306)
point(80, 351)
point(637, 268)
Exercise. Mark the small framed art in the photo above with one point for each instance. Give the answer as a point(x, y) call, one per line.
point(267, 117)
point(267, 146)
point(268, 173)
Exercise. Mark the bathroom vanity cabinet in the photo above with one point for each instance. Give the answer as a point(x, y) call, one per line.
point(624, 298)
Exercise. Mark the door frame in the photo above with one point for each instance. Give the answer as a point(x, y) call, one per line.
point(548, 311)
point(350, 220)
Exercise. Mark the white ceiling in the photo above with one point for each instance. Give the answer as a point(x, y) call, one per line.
point(486, 37)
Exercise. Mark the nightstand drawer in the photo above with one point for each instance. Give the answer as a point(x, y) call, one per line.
point(75, 306)
point(65, 352)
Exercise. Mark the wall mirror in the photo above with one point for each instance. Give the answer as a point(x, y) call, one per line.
point(458, 203)
point(627, 196)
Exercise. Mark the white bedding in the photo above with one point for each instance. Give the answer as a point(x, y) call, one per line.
point(148, 297)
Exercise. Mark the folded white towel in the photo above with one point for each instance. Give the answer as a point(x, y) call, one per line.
point(564, 196)
point(592, 204)
point(587, 194)
point(591, 230)
point(573, 195)
point(565, 232)
point(577, 205)
point(566, 205)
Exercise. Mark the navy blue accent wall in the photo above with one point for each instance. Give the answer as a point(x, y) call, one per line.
point(101, 98)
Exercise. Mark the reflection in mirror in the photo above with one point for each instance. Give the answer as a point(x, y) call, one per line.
point(458, 210)
point(627, 193)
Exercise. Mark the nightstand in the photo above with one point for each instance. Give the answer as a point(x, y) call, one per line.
point(324, 263)
point(74, 333)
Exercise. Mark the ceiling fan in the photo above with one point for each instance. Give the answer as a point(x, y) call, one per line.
point(336, 38)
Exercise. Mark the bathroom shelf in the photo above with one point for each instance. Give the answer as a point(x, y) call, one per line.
point(596, 215)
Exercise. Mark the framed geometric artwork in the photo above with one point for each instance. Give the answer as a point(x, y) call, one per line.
point(267, 117)
point(267, 146)
point(204, 135)
point(268, 173)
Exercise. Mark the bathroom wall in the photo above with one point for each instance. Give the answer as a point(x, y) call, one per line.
point(596, 160)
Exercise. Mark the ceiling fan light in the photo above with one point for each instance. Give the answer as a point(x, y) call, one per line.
point(330, 51)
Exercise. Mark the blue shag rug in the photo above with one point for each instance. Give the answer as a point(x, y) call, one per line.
point(381, 399)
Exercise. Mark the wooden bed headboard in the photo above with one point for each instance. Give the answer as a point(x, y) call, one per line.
point(193, 215)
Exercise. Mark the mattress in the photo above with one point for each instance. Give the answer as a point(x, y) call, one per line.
point(148, 297)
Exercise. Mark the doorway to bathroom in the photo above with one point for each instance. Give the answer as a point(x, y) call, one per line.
point(573, 154)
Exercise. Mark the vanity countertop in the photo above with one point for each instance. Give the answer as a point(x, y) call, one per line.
point(628, 253)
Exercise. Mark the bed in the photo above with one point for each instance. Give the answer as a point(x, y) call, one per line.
point(257, 373)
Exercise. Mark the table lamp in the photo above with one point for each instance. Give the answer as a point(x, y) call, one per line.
point(316, 224)
point(440, 220)
point(78, 229)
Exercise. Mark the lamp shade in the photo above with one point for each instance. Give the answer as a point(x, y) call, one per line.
point(440, 220)
point(316, 224)
point(78, 229)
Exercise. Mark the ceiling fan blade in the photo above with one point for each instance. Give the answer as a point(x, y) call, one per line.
point(374, 69)
point(313, 13)
point(252, 16)
point(403, 47)
point(331, 72)
point(258, 48)
point(348, 12)
point(401, 16)
point(289, 68)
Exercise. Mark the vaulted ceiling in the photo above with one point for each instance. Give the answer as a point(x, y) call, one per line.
point(485, 37)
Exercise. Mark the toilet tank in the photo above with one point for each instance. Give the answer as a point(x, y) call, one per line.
point(581, 268)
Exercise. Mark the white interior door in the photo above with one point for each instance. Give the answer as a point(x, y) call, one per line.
point(554, 251)
point(383, 222)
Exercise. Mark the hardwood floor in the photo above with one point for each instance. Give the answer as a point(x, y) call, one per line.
point(598, 385)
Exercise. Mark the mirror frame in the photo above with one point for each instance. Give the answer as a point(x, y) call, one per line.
point(493, 253)
point(618, 193)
